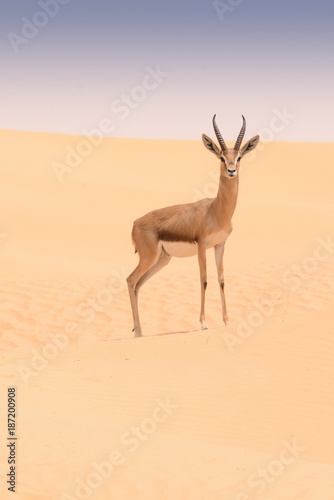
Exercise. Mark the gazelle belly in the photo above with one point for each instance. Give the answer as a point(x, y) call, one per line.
point(179, 248)
point(184, 249)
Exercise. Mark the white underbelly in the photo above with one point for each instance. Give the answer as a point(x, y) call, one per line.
point(183, 249)
point(179, 248)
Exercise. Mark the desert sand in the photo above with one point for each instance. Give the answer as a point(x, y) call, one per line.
point(240, 413)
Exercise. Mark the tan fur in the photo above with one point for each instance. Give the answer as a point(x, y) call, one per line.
point(205, 223)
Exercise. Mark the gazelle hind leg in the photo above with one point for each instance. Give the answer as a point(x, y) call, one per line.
point(163, 260)
point(145, 263)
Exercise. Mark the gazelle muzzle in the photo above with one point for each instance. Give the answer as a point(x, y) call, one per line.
point(231, 169)
point(231, 172)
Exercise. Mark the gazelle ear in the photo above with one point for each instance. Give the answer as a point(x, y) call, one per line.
point(210, 145)
point(250, 145)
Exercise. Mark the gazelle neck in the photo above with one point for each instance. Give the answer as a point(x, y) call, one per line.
point(226, 199)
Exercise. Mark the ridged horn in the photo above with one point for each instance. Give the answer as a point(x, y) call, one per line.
point(218, 134)
point(241, 135)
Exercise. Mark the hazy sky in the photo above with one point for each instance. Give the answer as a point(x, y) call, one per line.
point(161, 69)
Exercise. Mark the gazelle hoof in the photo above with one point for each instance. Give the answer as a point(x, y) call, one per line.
point(228, 324)
point(204, 326)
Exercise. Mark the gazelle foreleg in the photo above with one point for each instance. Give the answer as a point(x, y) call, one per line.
point(203, 277)
point(219, 253)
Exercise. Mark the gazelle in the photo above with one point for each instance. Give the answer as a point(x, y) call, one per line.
point(192, 228)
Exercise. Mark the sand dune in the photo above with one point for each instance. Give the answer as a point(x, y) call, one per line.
point(226, 414)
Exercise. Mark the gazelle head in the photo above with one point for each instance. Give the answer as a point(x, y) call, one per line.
point(230, 157)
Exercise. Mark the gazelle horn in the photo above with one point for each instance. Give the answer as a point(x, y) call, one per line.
point(218, 134)
point(241, 135)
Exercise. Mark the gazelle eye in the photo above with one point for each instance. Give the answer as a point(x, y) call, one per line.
point(223, 159)
point(239, 158)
